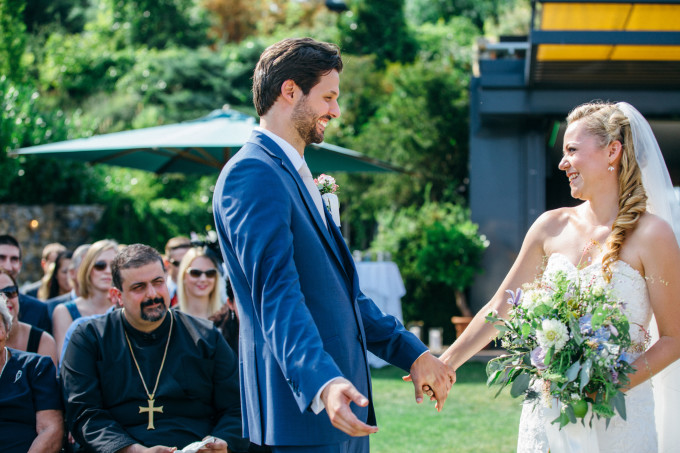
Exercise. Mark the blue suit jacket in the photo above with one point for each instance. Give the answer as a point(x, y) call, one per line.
point(303, 319)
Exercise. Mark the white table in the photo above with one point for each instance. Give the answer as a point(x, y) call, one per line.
point(382, 283)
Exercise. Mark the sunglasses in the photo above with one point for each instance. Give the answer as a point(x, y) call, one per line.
point(100, 265)
point(10, 291)
point(196, 273)
point(173, 262)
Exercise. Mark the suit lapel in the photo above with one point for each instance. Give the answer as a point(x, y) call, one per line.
point(275, 151)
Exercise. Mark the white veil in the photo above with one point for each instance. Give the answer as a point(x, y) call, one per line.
point(661, 201)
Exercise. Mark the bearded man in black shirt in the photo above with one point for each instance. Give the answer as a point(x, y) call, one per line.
point(146, 377)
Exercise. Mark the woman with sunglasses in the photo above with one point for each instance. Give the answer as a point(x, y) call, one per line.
point(198, 291)
point(94, 281)
point(24, 337)
point(31, 411)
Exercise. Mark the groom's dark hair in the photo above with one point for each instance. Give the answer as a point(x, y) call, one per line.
point(302, 60)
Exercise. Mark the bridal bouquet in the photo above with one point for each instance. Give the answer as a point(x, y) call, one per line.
point(573, 337)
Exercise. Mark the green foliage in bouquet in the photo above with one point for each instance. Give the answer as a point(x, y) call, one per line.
point(573, 336)
point(438, 250)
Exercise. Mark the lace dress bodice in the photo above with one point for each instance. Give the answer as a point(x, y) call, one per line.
point(638, 432)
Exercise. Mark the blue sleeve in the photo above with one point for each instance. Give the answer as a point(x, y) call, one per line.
point(42, 377)
point(387, 338)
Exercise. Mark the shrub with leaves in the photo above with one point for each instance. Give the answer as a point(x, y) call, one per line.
point(438, 251)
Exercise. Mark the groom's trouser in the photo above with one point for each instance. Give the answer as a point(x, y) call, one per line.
point(354, 445)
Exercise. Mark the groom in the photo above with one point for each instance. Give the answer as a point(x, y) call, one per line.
point(305, 325)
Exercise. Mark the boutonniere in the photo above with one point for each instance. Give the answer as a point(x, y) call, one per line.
point(328, 187)
point(326, 184)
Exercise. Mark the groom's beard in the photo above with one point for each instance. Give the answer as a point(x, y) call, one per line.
point(306, 123)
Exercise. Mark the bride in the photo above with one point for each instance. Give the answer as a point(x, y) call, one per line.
point(622, 234)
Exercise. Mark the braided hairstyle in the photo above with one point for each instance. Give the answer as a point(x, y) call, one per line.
point(607, 122)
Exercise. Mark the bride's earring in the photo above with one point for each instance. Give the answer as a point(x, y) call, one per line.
point(610, 168)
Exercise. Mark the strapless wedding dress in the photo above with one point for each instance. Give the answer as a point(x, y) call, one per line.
point(638, 432)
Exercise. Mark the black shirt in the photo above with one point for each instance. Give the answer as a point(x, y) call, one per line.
point(198, 388)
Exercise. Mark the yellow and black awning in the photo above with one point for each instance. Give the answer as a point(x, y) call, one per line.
point(588, 42)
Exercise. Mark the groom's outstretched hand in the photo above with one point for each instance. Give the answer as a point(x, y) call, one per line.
point(336, 397)
point(428, 372)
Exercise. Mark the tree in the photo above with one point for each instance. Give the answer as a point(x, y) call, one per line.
point(413, 115)
point(69, 14)
point(26, 121)
point(160, 23)
point(422, 126)
point(439, 252)
point(433, 11)
point(12, 39)
point(378, 28)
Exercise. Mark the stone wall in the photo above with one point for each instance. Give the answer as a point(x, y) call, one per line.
point(36, 226)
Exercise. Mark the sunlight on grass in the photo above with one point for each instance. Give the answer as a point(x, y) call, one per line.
point(472, 419)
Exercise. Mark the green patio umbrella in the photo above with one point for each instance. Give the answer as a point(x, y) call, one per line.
point(199, 146)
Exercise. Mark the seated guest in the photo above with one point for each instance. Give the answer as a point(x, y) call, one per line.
point(226, 319)
point(31, 417)
point(33, 311)
point(57, 282)
point(49, 255)
point(147, 376)
point(94, 282)
point(198, 292)
point(175, 249)
point(24, 337)
point(73, 266)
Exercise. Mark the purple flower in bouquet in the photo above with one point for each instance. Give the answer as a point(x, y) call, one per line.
point(626, 357)
point(585, 324)
point(515, 297)
point(602, 334)
point(538, 358)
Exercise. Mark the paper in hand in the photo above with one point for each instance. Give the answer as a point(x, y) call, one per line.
point(195, 446)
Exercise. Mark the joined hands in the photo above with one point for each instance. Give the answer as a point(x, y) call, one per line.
point(432, 376)
point(428, 374)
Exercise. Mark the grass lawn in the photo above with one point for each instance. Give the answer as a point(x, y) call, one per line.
point(472, 419)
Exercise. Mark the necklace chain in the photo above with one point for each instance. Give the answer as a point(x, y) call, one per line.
point(165, 354)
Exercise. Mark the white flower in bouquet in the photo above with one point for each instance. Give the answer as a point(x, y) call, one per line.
point(534, 298)
point(553, 334)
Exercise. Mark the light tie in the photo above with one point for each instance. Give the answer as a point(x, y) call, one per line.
point(313, 190)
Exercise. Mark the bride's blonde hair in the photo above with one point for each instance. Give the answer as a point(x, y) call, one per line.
point(607, 122)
